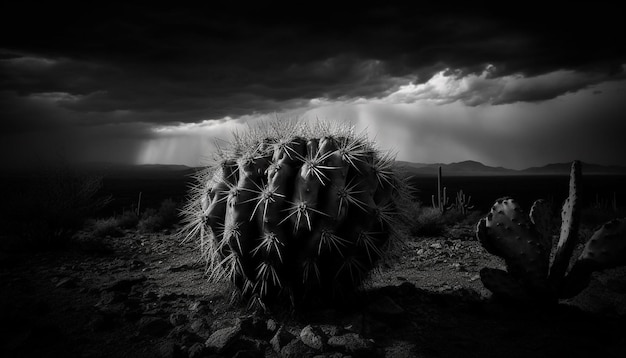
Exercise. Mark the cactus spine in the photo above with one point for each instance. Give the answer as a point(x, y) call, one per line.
point(525, 244)
point(297, 213)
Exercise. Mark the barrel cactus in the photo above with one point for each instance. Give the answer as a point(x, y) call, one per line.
point(297, 212)
point(525, 244)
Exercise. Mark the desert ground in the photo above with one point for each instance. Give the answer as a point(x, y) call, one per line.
point(134, 292)
point(145, 295)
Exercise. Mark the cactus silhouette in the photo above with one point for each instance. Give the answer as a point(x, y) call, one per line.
point(297, 213)
point(525, 244)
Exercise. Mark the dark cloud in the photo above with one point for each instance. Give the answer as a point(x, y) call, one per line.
point(79, 69)
point(215, 61)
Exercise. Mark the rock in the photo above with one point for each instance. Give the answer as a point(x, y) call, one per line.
point(197, 350)
point(107, 298)
point(356, 323)
point(178, 319)
point(182, 335)
point(271, 326)
point(136, 264)
point(253, 326)
point(281, 339)
point(66, 282)
point(384, 305)
point(332, 330)
point(199, 307)
point(436, 245)
point(219, 341)
point(352, 343)
point(199, 326)
point(313, 337)
point(247, 347)
point(181, 267)
point(459, 267)
point(296, 349)
point(171, 350)
point(154, 326)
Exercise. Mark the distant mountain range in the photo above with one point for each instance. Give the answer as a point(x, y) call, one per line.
point(465, 168)
point(473, 168)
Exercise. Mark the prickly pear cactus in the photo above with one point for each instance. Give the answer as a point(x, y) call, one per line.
point(297, 213)
point(508, 233)
point(525, 245)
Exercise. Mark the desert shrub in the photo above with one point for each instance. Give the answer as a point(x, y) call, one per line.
point(426, 221)
point(53, 205)
point(472, 218)
point(106, 227)
point(153, 220)
point(595, 216)
point(452, 216)
point(128, 220)
point(455, 216)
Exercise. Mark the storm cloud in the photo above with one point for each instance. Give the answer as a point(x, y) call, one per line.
point(131, 68)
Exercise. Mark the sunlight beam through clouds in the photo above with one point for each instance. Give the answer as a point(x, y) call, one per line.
point(451, 118)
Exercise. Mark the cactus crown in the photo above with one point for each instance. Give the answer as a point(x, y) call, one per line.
point(297, 211)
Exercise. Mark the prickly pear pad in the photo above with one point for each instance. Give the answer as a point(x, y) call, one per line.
point(297, 212)
point(507, 232)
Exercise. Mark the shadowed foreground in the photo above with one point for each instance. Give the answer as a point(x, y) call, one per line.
point(145, 296)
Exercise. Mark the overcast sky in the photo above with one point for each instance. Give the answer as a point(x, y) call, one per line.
point(517, 87)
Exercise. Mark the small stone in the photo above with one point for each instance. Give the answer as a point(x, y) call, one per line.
point(66, 282)
point(199, 326)
point(253, 326)
point(197, 350)
point(271, 325)
point(352, 343)
point(199, 308)
point(332, 330)
point(313, 337)
point(182, 335)
point(436, 245)
point(181, 267)
point(177, 319)
point(281, 339)
point(170, 350)
point(135, 264)
point(296, 349)
point(459, 267)
point(219, 341)
point(107, 298)
point(153, 326)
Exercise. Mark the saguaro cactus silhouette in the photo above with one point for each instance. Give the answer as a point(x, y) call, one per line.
point(297, 212)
